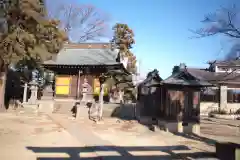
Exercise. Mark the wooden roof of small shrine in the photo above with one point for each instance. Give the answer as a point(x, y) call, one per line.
point(85, 54)
point(182, 77)
point(152, 80)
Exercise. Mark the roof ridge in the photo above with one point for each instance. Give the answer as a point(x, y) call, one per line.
point(87, 46)
point(88, 43)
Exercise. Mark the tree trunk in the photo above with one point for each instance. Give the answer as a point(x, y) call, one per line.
point(101, 101)
point(3, 78)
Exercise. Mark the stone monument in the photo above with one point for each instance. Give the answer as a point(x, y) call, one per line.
point(32, 105)
point(34, 92)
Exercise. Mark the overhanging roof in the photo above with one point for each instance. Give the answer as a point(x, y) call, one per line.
point(184, 78)
point(84, 55)
point(214, 77)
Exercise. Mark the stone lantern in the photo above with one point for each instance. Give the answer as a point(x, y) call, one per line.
point(34, 92)
point(86, 91)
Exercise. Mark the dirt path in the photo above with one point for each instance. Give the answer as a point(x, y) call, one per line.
point(32, 136)
point(28, 137)
point(133, 140)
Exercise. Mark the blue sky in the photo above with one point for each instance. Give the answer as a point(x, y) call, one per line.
point(162, 30)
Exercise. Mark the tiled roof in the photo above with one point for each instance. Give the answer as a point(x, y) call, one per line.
point(228, 63)
point(85, 54)
point(213, 77)
point(152, 79)
point(185, 79)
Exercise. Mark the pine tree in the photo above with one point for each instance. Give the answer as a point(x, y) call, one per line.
point(123, 40)
point(30, 34)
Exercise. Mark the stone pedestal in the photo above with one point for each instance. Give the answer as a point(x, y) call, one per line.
point(192, 128)
point(46, 106)
point(174, 127)
point(48, 93)
point(178, 127)
point(30, 108)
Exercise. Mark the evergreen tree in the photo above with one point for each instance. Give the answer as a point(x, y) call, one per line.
point(123, 40)
point(29, 34)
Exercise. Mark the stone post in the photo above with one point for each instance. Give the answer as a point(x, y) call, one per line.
point(101, 100)
point(77, 110)
point(25, 93)
point(223, 97)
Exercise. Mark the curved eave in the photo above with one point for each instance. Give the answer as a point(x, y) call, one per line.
point(187, 85)
point(67, 66)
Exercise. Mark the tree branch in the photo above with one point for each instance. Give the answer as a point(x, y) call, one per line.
point(83, 22)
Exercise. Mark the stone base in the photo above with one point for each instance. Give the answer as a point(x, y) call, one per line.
point(145, 120)
point(192, 128)
point(46, 106)
point(177, 127)
point(30, 107)
point(174, 127)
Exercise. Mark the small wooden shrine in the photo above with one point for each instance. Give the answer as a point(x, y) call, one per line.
point(76, 62)
point(148, 94)
point(173, 102)
point(182, 95)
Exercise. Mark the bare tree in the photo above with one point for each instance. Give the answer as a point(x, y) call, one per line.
point(225, 21)
point(82, 22)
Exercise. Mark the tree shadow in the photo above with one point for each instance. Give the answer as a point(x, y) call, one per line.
point(213, 120)
point(199, 138)
point(124, 112)
point(121, 153)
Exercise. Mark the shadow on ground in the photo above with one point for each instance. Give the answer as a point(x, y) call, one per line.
point(196, 137)
point(213, 120)
point(123, 111)
point(121, 153)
